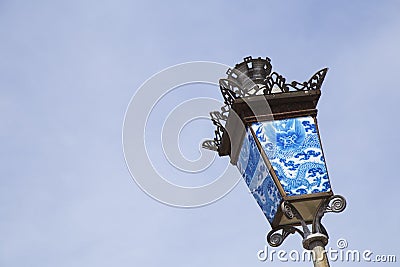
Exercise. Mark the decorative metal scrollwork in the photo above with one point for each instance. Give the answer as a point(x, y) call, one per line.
point(210, 145)
point(275, 239)
point(232, 86)
point(215, 144)
point(250, 78)
point(228, 95)
point(313, 84)
point(225, 110)
point(218, 135)
point(219, 120)
point(217, 117)
point(291, 212)
point(275, 82)
point(253, 77)
point(336, 204)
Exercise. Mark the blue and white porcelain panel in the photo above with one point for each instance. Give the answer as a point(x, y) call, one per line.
point(256, 175)
point(295, 153)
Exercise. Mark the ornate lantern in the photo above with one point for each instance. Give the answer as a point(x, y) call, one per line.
point(269, 129)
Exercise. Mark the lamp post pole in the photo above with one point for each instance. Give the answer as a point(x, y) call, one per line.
point(316, 243)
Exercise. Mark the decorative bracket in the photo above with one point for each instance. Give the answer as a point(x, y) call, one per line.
point(275, 239)
point(335, 204)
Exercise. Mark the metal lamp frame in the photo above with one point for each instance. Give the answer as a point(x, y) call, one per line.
point(248, 87)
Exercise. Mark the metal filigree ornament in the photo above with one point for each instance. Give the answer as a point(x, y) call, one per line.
point(275, 239)
point(336, 204)
point(254, 77)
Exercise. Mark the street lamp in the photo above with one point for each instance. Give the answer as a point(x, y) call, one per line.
point(269, 129)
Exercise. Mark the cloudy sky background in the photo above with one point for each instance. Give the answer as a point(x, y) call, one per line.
point(68, 70)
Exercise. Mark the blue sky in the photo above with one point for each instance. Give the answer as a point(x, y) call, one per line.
point(68, 70)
